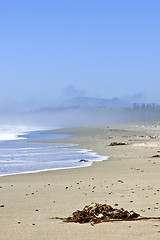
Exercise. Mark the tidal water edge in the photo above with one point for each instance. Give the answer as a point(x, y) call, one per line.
point(23, 156)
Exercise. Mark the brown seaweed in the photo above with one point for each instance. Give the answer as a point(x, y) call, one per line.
point(83, 160)
point(98, 213)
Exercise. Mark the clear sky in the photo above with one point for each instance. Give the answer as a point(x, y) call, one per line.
point(102, 48)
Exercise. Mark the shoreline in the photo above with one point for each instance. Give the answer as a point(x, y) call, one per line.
point(89, 155)
point(129, 178)
point(54, 169)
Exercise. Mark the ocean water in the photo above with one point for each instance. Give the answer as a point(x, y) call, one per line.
point(17, 155)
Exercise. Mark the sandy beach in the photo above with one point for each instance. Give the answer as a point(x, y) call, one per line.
point(129, 179)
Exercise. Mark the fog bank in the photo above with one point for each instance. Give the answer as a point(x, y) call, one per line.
point(77, 116)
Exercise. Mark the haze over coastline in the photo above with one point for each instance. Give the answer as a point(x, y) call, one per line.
point(78, 111)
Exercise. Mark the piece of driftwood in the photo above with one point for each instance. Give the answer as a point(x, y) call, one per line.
point(97, 213)
point(156, 156)
point(117, 144)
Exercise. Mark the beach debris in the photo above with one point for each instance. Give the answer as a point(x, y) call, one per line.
point(120, 181)
point(153, 136)
point(149, 136)
point(97, 213)
point(83, 160)
point(156, 156)
point(117, 144)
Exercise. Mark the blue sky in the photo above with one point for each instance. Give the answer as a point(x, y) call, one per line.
point(101, 48)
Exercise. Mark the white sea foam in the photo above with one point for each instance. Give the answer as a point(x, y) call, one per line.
point(9, 132)
point(21, 156)
point(15, 132)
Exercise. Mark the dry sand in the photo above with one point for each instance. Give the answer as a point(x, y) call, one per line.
point(30, 200)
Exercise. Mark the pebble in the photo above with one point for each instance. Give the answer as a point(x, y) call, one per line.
point(19, 222)
point(121, 181)
point(1, 205)
point(36, 210)
point(116, 204)
point(66, 187)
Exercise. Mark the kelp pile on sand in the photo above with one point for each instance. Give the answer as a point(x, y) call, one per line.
point(98, 213)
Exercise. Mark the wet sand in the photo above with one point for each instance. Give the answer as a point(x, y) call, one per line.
point(129, 178)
